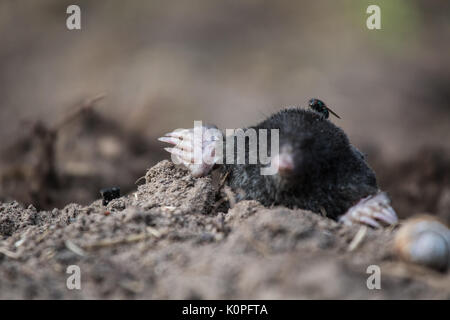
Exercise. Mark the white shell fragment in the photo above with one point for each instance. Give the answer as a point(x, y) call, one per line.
point(425, 241)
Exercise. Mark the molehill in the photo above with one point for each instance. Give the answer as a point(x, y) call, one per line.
point(179, 237)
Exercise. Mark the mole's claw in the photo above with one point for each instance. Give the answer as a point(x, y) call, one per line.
point(392, 214)
point(181, 134)
point(198, 161)
point(373, 211)
point(186, 156)
point(179, 144)
point(169, 140)
point(386, 217)
point(369, 221)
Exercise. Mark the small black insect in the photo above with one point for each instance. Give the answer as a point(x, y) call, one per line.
point(320, 107)
point(109, 194)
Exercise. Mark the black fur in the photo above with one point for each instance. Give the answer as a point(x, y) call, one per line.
point(330, 174)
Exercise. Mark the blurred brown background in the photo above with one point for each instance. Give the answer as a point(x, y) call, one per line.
point(164, 64)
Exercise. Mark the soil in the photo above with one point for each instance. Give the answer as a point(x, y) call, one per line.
point(175, 237)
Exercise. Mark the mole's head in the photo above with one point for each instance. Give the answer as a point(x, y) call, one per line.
point(309, 145)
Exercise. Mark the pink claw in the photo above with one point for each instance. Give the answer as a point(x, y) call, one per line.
point(184, 153)
point(374, 211)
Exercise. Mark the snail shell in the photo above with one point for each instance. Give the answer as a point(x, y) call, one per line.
point(425, 241)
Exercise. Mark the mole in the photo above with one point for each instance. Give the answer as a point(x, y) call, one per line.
point(318, 169)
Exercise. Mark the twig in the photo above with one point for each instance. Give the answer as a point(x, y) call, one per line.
point(74, 248)
point(230, 196)
point(113, 242)
point(136, 182)
point(24, 237)
point(358, 238)
point(323, 212)
point(224, 178)
point(42, 236)
point(154, 232)
point(87, 104)
point(10, 254)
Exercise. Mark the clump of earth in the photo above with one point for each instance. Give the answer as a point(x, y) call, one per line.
point(179, 237)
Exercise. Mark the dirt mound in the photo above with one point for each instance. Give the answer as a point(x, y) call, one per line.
point(169, 240)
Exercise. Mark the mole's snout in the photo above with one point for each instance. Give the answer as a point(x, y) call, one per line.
point(285, 163)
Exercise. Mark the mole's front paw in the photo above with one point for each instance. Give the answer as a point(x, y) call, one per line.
point(195, 150)
point(374, 211)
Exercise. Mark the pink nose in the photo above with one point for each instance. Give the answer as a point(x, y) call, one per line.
point(285, 163)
